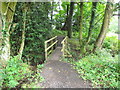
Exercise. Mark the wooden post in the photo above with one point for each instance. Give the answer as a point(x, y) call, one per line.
point(63, 49)
point(45, 51)
point(66, 44)
point(56, 43)
point(51, 46)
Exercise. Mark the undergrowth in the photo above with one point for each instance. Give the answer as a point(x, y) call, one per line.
point(100, 68)
point(35, 79)
point(58, 33)
point(112, 43)
point(16, 73)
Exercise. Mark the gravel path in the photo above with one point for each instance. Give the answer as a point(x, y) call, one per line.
point(59, 74)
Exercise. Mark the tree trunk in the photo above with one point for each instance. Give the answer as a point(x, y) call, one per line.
point(25, 8)
point(1, 37)
point(6, 14)
point(81, 22)
point(94, 5)
point(69, 21)
point(105, 26)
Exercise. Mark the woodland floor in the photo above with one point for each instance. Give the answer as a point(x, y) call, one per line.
point(59, 74)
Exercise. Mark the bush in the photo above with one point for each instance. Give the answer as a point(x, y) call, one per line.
point(14, 71)
point(111, 42)
point(35, 79)
point(101, 69)
point(58, 32)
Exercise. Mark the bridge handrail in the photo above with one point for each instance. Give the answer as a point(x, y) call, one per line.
point(64, 44)
point(64, 40)
point(48, 47)
point(50, 39)
point(64, 49)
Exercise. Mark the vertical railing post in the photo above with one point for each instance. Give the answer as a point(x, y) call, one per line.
point(66, 43)
point(54, 41)
point(45, 51)
point(63, 49)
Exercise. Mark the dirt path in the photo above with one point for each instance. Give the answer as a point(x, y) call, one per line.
point(59, 74)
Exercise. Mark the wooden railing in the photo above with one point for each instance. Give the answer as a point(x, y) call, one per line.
point(53, 42)
point(64, 49)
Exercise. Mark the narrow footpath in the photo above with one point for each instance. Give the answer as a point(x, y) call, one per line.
point(59, 74)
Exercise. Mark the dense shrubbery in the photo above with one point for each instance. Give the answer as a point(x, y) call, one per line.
point(13, 72)
point(58, 32)
point(35, 79)
point(37, 30)
point(111, 42)
point(16, 72)
point(101, 69)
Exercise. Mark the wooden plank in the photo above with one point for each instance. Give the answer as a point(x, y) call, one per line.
point(49, 52)
point(64, 47)
point(64, 39)
point(51, 45)
point(50, 39)
point(67, 51)
point(47, 48)
point(67, 55)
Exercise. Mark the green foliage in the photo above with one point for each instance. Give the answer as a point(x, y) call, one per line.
point(37, 30)
point(39, 67)
point(114, 25)
point(58, 32)
point(61, 14)
point(75, 34)
point(111, 42)
point(101, 69)
point(14, 72)
point(35, 79)
point(75, 43)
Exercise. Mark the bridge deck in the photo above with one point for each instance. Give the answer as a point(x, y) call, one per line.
point(56, 54)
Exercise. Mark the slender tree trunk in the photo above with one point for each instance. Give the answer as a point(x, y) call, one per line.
point(69, 21)
point(105, 26)
point(23, 31)
point(94, 5)
point(81, 22)
point(65, 24)
point(6, 14)
point(1, 38)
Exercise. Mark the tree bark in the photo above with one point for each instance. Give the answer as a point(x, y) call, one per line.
point(6, 17)
point(81, 22)
point(25, 8)
point(94, 5)
point(105, 26)
point(69, 21)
